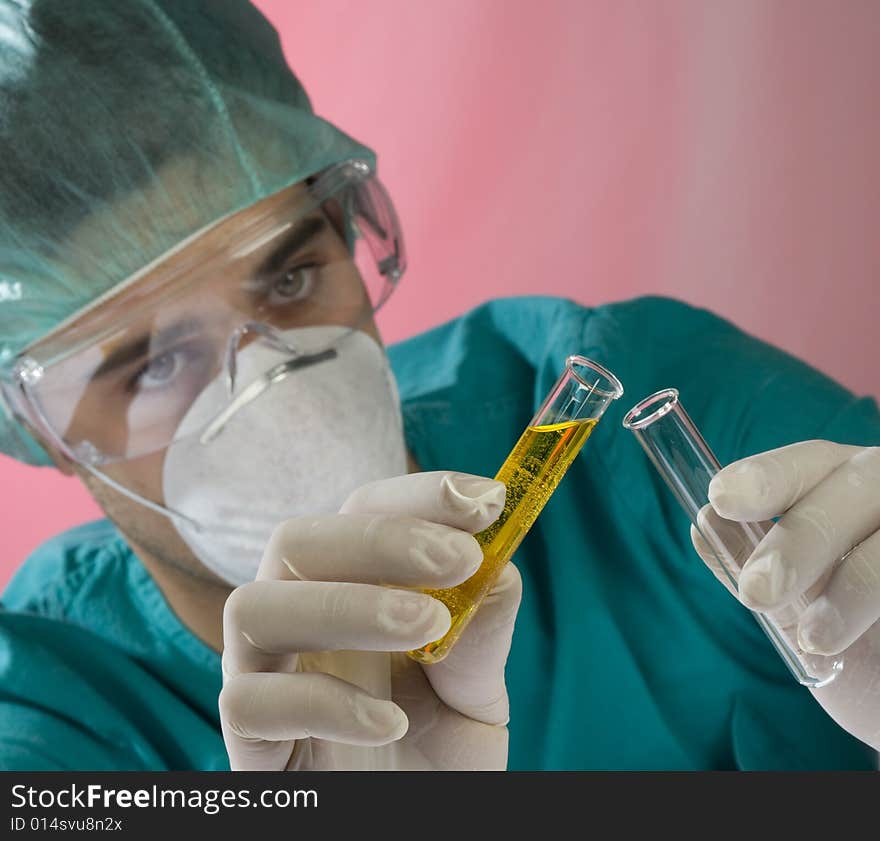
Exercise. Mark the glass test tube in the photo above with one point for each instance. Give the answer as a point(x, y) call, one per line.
point(682, 457)
point(530, 473)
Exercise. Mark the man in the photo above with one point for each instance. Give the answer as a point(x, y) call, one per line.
point(191, 261)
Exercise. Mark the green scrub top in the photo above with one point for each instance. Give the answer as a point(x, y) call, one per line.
point(627, 652)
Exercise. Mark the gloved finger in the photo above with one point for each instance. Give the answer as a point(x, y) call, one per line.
point(836, 515)
point(849, 605)
point(466, 502)
point(265, 622)
point(470, 678)
point(765, 485)
point(372, 549)
point(263, 714)
point(724, 545)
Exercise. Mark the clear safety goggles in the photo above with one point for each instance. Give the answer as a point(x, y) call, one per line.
point(114, 382)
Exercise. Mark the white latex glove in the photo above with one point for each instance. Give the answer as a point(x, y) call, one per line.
point(314, 670)
point(827, 497)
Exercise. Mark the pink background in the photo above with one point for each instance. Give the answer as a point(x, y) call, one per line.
point(720, 152)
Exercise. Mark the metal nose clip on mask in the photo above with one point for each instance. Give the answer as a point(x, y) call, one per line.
point(297, 361)
point(683, 458)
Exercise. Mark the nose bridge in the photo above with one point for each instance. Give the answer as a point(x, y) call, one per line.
point(245, 334)
point(276, 373)
point(260, 386)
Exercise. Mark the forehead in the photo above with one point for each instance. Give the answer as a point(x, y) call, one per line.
point(237, 233)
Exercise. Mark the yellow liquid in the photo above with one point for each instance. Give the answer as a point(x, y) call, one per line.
point(531, 473)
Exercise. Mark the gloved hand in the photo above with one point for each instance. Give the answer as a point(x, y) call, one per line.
point(827, 497)
point(314, 670)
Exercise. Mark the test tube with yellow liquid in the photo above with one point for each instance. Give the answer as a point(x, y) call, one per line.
point(530, 473)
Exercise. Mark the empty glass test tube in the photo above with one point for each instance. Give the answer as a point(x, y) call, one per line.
point(682, 457)
point(530, 473)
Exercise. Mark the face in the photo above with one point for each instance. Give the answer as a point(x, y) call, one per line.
point(178, 327)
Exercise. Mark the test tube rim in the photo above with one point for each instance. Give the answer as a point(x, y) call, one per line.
point(632, 419)
point(617, 386)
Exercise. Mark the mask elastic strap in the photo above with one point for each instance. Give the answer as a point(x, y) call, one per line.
point(168, 513)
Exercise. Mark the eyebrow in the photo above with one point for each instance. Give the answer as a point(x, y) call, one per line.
point(141, 346)
point(295, 240)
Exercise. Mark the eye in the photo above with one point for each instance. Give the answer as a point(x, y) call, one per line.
point(295, 284)
point(160, 371)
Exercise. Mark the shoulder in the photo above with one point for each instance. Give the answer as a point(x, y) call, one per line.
point(495, 334)
point(744, 393)
point(751, 394)
point(97, 671)
point(54, 709)
point(654, 332)
point(46, 580)
point(74, 699)
point(27, 639)
point(502, 342)
point(534, 324)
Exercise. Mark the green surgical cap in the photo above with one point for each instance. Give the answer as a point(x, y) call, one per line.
point(125, 127)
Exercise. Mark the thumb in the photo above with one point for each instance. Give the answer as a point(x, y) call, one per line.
point(470, 678)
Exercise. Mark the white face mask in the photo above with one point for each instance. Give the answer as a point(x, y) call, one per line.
point(301, 447)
